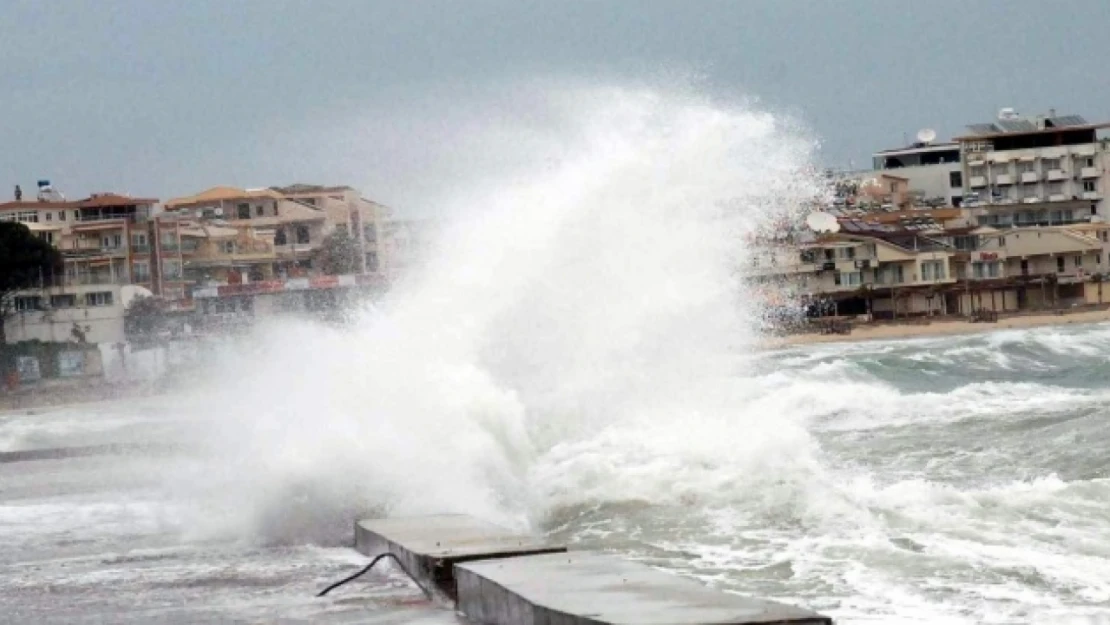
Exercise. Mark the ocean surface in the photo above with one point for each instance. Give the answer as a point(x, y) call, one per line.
point(945, 480)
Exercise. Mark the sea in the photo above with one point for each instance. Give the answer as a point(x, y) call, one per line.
point(576, 354)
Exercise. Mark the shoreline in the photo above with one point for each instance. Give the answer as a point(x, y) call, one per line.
point(938, 327)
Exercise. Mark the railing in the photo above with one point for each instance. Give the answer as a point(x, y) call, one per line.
point(140, 248)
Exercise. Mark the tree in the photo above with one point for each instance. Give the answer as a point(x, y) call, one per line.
point(340, 254)
point(143, 319)
point(26, 262)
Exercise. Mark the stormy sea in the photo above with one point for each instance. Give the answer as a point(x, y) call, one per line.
point(578, 356)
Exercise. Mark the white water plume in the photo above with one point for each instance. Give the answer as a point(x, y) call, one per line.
point(578, 335)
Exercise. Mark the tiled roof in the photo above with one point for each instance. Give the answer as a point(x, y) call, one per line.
point(220, 194)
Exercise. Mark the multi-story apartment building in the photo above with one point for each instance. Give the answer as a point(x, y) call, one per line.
point(1047, 170)
point(251, 235)
point(362, 219)
point(912, 266)
point(933, 172)
point(107, 241)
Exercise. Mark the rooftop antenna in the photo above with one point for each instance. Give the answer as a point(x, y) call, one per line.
point(926, 135)
point(822, 222)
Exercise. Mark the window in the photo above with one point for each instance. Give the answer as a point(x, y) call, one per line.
point(47, 236)
point(1089, 186)
point(279, 237)
point(99, 298)
point(227, 247)
point(61, 215)
point(978, 171)
point(850, 278)
point(1078, 260)
point(24, 303)
point(985, 270)
point(956, 179)
point(1089, 161)
point(370, 233)
point(1059, 264)
point(1055, 188)
point(140, 271)
point(27, 217)
point(111, 241)
point(932, 270)
point(371, 261)
point(303, 234)
point(171, 269)
point(49, 216)
point(890, 275)
point(1051, 163)
point(244, 211)
point(258, 210)
point(76, 215)
point(1026, 167)
point(275, 209)
point(68, 300)
point(830, 254)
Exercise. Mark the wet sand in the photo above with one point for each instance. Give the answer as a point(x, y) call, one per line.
point(938, 327)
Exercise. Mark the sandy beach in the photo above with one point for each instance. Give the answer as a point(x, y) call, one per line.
point(940, 327)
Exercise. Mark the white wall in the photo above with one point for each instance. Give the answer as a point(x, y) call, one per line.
point(932, 179)
point(102, 324)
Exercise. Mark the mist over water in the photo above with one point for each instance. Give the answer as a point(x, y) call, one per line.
point(578, 335)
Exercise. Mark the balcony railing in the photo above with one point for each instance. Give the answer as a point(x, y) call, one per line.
point(1056, 174)
point(1090, 172)
point(140, 248)
point(1004, 179)
point(1029, 177)
point(978, 182)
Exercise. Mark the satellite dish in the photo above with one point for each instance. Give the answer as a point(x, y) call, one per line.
point(926, 135)
point(822, 222)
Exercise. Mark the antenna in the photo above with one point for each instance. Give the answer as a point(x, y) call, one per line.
point(822, 222)
point(926, 135)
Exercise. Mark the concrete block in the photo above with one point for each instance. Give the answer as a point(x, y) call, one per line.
point(431, 546)
point(582, 587)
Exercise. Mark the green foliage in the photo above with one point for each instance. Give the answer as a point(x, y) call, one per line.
point(25, 260)
point(340, 254)
point(143, 318)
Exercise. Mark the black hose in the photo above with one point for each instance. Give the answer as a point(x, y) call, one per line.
point(366, 569)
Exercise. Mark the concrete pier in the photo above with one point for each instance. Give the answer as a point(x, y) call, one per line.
point(431, 546)
point(581, 587)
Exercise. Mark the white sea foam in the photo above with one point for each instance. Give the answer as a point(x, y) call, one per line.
point(579, 334)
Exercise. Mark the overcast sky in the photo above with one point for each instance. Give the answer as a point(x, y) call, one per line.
point(166, 98)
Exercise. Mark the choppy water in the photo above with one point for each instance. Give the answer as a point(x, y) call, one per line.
point(954, 480)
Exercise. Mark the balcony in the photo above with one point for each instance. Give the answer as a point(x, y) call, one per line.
point(140, 248)
point(1029, 177)
point(978, 182)
point(1092, 195)
point(1056, 175)
point(1030, 200)
point(1058, 197)
point(1003, 179)
point(1089, 172)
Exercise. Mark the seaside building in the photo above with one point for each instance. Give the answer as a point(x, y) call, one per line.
point(933, 171)
point(107, 241)
point(275, 233)
point(1041, 171)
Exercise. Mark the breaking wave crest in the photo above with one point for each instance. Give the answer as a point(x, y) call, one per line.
point(579, 333)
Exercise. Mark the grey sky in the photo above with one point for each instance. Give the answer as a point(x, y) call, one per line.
point(167, 98)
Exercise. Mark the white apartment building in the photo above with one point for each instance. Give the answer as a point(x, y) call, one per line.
point(933, 171)
point(51, 314)
point(1047, 170)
